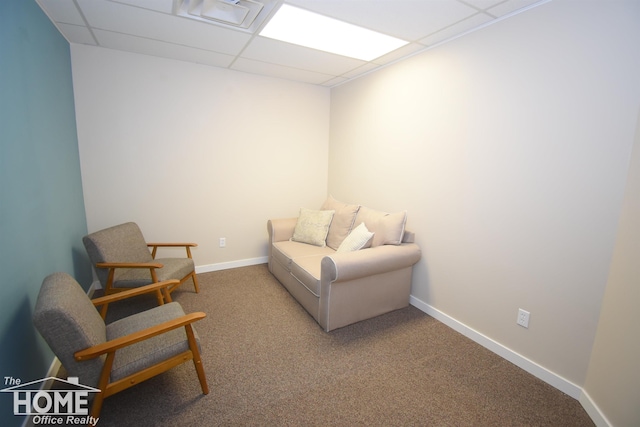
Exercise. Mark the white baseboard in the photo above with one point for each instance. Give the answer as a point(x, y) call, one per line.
point(594, 412)
point(54, 368)
point(95, 285)
point(531, 367)
point(231, 264)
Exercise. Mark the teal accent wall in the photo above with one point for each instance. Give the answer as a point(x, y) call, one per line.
point(42, 217)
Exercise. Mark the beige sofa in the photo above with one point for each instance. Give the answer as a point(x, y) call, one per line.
point(337, 282)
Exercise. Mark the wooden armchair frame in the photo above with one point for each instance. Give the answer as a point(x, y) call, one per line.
point(187, 247)
point(123, 259)
point(109, 348)
point(163, 294)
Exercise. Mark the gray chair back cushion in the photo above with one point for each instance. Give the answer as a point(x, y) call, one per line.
point(69, 322)
point(120, 243)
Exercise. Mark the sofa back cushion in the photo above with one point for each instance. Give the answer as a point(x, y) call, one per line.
point(342, 223)
point(388, 228)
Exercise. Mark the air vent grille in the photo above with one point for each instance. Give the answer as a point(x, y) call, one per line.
point(241, 14)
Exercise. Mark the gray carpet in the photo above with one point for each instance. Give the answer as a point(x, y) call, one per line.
point(268, 363)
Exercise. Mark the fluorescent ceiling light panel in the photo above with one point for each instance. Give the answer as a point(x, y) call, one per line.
point(298, 26)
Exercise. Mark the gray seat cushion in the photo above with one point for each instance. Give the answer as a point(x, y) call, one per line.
point(173, 268)
point(134, 358)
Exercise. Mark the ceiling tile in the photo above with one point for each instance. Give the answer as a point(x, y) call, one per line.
point(281, 53)
point(62, 11)
point(257, 67)
point(459, 28)
point(362, 70)
point(511, 6)
point(165, 6)
point(334, 81)
point(154, 25)
point(76, 34)
point(483, 4)
point(406, 50)
point(119, 41)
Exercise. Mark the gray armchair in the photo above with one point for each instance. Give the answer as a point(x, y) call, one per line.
point(121, 354)
point(122, 259)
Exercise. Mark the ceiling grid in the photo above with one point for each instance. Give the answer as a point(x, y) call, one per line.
point(162, 28)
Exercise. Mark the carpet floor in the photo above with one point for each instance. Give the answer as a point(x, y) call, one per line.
point(268, 363)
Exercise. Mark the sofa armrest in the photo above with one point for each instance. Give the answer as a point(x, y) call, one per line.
point(343, 266)
point(281, 229)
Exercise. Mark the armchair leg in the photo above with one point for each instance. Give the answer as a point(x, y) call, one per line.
point(197, 362)
point(159, 297)
point(195, 282)
point(102, 385)
point(103, 311)
point(167, 295)
point(97, 405)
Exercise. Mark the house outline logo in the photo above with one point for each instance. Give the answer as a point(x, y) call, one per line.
point(73, 397)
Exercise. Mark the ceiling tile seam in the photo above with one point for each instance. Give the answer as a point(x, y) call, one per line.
point(472, 6)
point(239, 56)
point(324, 83)
point(161, 41)
point(251, 39)
point(517, 11)
point(288, 66)
point(485, 10)
point(142, 7)
point(256, 33)
point(86, 22)
point(454, 24)
point(157, 55)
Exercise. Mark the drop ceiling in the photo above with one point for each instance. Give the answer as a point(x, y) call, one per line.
point(162, 28)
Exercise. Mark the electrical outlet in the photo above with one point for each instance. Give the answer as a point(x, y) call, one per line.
point(523, 318)
point(223, 242)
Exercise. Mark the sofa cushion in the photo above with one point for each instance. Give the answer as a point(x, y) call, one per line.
point(312, 226)
point(356, 240)
point(388, 229)
point(307, 271)
point(342, 222)
point(285, 251)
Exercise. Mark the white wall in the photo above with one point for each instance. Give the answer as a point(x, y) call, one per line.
point(613, 380)
point(195, 153)
point(509, 148)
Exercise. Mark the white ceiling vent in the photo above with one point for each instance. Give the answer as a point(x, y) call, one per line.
point(241, 14)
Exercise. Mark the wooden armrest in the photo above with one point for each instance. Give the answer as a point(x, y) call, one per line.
point(155, 247)
point(129, 265)
point(133, 292)
point(113, 345)
point(172, 244)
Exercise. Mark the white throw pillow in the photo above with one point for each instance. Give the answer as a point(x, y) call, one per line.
point(356, 239)
point(312, 227)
